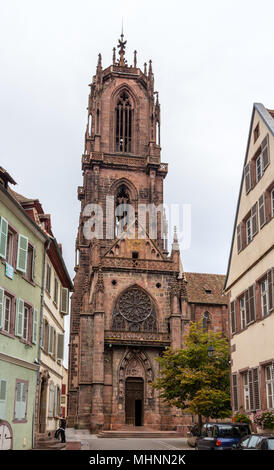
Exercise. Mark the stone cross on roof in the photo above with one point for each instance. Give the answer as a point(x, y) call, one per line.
point(121, 47)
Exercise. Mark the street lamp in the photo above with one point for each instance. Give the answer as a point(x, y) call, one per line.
point(210, 351)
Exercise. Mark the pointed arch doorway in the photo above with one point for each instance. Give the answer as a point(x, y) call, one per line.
point(134, 401)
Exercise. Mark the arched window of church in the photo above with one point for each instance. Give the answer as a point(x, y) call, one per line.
point(122, 198)
point(206, 321)
point(89, 124)
point(97, 121)
point(123, 125)
point(157, 133)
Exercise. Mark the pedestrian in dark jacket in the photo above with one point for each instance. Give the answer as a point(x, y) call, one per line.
point(61, 430)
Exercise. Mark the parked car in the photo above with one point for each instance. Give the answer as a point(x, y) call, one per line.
point(256, 442)
point(221, 436)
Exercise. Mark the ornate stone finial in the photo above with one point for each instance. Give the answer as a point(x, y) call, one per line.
point(114, 56)
point(121, 45)
point(145, 68)
point(150, 68)
point(135, 59)
point(99, 64)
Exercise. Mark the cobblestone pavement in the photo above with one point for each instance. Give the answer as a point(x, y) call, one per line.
point(92, 442)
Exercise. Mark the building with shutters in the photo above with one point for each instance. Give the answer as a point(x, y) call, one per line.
point(34, 300)
point(22, 245)
point(249, 280)
point(57, 285)
point(131, 297)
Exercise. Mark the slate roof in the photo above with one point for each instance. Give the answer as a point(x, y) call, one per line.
point(205, 288)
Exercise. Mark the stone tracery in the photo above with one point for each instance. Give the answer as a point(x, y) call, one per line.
point(134, 311)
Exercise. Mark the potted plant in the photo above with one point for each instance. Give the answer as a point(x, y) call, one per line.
point(241, 418)
point(265, 421)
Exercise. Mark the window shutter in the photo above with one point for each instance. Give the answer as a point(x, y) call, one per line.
point(235, 392)
point(233, 317)
point(42, 339)
point(256, 388)
point(247, 174)
point(262, 210)
point(251, 391)
point(50, 343)
point(48, 278)
point(64, 300)
point(3, 236)
point(3, 398)
point(22, 253)
point(55, 400)
point(60, 347)
point(247, 310)
point(17, 410)
point(254, 219)
point(33, 264)
point(34, 326)
point(239, 237)
point(51, 400)
point(270, 283)
point(1, 307)
point(265, 152)
point(19, 317)
point(252, 303)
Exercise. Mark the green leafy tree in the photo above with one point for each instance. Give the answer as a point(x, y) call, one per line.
point(191, 380)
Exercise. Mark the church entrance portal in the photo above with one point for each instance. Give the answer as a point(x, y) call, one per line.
point(134, 401)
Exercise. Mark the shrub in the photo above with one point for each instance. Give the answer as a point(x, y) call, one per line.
point(241, 418)
point(264, 420)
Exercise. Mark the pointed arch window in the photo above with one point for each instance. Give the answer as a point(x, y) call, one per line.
point(122, 199)
point(123, 124)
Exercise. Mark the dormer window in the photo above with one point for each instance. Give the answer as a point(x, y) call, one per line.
point(123, 132)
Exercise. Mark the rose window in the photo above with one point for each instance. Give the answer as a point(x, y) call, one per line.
point(134, 311)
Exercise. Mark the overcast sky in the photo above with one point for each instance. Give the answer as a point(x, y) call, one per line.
point(211, 61)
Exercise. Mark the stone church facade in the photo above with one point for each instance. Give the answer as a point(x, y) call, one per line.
point(131, 298)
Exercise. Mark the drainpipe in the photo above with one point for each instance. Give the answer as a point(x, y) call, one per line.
point(46, 247)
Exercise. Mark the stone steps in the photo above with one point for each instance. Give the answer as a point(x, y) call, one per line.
point(48, 442)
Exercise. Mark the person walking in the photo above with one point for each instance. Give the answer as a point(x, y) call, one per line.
point(61, 430)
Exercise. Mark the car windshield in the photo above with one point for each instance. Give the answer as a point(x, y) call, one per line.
point(271, 443)
point(233, 431)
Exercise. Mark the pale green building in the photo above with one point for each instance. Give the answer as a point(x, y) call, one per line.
point(22, 259)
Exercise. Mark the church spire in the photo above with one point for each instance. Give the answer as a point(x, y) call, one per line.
point(175, 244)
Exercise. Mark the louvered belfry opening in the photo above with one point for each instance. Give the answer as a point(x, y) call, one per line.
point(124, 112)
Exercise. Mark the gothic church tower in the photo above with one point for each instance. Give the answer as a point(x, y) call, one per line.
point(129, 300)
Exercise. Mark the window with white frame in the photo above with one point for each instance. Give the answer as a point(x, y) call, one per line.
point(269, 383)
point(10, 247)
point(48, 278)
point(3, 398)
point(242, 312)
point(26, 321)
point(246, 391)
point(56, 290)
point(7, 314)
point(259, 168)
point(21, 398)
point(248, 231)
point(272, 203)
point(51, 400)
point(264, 297)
